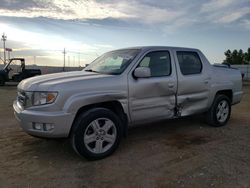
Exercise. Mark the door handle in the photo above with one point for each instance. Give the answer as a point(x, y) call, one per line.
point(206, 81)
point(170, 85)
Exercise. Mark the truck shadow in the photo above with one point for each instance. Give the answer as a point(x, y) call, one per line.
point(177, 133)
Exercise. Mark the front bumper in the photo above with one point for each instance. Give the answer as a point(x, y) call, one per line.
point(61, 122)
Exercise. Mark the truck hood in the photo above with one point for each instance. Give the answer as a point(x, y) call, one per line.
point(50, 81)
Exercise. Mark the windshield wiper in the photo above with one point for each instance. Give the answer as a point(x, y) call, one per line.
point(91, 70)
point(110, 73)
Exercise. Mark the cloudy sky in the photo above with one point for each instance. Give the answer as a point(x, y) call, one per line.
point(39, 30)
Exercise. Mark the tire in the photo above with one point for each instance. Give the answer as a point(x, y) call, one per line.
point(220, 111)
point(2, 82)
point(96, 133)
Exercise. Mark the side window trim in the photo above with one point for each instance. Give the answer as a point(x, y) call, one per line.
point(194, 52)
point(170, 63)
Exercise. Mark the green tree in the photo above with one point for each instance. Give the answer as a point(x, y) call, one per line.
point(228, 55)
point(237, 57)
point(247, 56)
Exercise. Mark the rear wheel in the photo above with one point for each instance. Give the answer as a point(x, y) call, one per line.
point(96, 133)
point(220, 111)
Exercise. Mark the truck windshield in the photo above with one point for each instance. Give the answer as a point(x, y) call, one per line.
point(114, 62)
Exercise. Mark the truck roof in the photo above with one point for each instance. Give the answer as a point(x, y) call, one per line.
point(157, 47)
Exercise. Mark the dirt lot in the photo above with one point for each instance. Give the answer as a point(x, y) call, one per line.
point(176, 153)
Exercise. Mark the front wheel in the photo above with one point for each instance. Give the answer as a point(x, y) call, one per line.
point(220, 111)
point(96, 133)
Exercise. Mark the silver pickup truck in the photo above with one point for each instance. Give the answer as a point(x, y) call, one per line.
point(95, 106)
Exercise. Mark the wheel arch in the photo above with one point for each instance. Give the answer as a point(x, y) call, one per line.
point(114, 105)
point(226, 92)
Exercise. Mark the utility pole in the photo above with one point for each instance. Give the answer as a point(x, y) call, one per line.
point(79, 59)
point(64, 53)
point(4, 38)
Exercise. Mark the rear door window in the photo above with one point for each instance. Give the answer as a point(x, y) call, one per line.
point(189, 62)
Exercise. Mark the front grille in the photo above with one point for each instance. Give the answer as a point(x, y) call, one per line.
point(21, 98)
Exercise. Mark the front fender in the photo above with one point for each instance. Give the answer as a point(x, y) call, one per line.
point(75, 102)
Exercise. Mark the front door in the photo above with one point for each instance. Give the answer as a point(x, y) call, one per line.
point(153, 98)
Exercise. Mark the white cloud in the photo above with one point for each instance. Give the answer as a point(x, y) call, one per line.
point(234, 15)
point(246, 23)
point(66, 9)
point(148, 14)
point(167, 15)
point(225, 11)
point(214, 5)
point(32, 42)
point(178, 24)
point(83, 9)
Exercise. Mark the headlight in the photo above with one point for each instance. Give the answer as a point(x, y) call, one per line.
point(39, 98)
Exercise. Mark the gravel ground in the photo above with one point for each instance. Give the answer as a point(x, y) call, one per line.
point(176, 153)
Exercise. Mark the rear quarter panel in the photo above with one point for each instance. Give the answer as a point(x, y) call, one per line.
point(226, 79)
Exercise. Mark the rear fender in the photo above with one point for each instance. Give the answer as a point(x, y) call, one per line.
point(219, 87)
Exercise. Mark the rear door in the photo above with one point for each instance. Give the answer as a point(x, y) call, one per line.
point(154, 97)
point(194, 82)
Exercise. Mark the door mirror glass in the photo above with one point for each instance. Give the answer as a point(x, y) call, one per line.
point(142, 72)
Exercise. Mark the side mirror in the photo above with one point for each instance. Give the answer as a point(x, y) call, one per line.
point(142, 72)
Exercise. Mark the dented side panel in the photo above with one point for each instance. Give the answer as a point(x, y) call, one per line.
point(152, 98)
point(194, 90)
